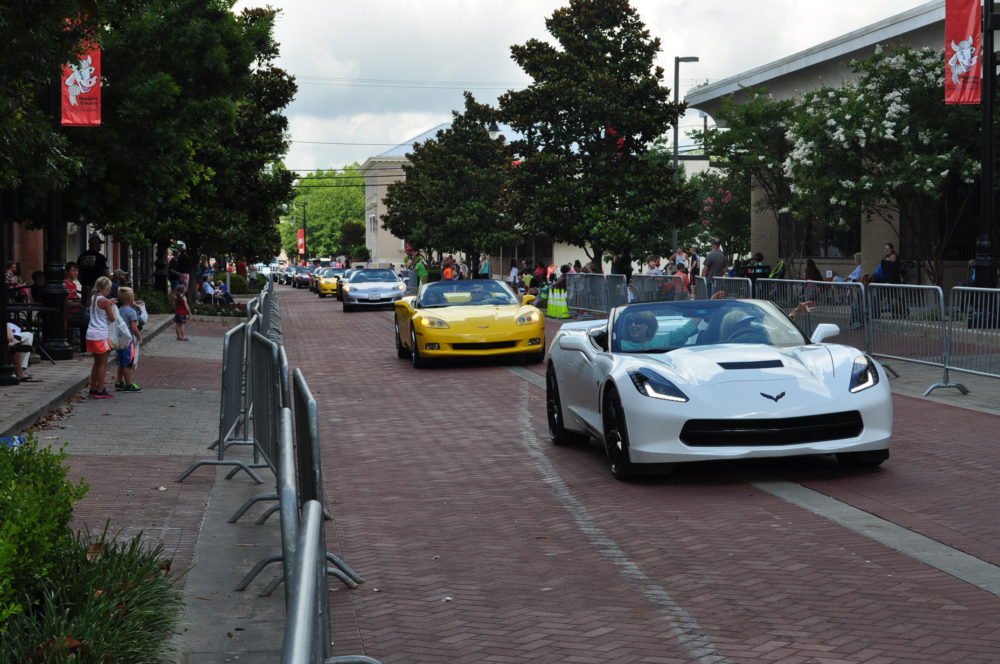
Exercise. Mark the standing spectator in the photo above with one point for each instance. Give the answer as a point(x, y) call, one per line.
point(448, 273)
point(715, 264)
point(812, 271)
point(463, 270)
point(694, 261)
point(577, 267)
point(241, 268)
point(184, 268)
point(204, 268)
point(484, 266)
point(420, 267)
point(513, 277)
point(93, 265)
point(173, 274)
point(891, 271)
point(680, 258)
point(119, 278)
point(101, 315)
point(77, 315)
point(127, 307)
point(181, 312)
point(252, 277)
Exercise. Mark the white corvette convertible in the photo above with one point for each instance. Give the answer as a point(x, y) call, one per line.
point(668, 382)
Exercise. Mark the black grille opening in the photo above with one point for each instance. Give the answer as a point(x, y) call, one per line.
point(492, 345)
point(776, 431)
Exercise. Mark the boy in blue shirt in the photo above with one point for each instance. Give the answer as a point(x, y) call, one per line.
point(127, 356)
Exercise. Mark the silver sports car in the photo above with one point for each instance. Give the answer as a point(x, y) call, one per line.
point(371, 288)
point(669, 382)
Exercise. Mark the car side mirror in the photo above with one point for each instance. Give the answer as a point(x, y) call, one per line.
point(599, 335)
point(824, 331)
point(527, 299)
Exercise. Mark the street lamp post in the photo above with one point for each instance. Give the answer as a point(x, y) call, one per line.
point(677, 99)
point(984, 267)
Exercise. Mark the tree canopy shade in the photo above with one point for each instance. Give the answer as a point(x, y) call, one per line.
point(329, 210)
point(192, 131)
point(595, 105)
point(449, 198)
point(37, 41)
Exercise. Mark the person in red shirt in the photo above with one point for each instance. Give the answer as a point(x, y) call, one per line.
point(77, 317)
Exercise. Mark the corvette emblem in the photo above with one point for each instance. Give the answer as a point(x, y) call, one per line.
point(774, 399)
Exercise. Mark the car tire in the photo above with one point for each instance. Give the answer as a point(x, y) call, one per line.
point(415, 358)
point(868, 459)
point(535, 358)
point(401, 351)
point(553, 406)
point(348, 307)
point(616, 437)
point(322, 295)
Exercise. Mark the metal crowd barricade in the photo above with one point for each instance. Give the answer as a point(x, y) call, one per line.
point(235, 403)
point(598, 294)
point(307, 624)
point(973, 336)
point(734, 287)
point(837, 302)
point(700, 288)
point(907, 322)
point(658, 288)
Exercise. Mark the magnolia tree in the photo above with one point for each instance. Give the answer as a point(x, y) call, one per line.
point(886, 147)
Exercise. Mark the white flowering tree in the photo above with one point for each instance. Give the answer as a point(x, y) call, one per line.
point(886, 147)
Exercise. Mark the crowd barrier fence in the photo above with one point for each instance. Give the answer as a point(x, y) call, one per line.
point(658, 288)
point(590, 294)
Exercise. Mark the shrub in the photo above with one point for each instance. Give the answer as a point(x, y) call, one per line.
point(237, 283)
point(108, 602)
point(156, 302)
point(36, 505)
point(237, 309)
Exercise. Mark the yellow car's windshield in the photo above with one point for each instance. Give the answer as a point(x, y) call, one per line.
point(460, 293)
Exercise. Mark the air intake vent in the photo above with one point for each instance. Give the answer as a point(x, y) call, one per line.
point(784, 431)
point(763, 364)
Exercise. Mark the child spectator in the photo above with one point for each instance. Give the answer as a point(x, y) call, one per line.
point(127, 307)
point(102, 314)
point(181, 312)
point(222, 293)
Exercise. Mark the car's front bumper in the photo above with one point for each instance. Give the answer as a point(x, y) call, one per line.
point(656, 427)
point(441, 343)
point(380, 299)
point(327, 289)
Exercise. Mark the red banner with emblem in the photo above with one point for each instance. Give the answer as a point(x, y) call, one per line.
point(302, 241)
point(81, 90)
point(963, 51)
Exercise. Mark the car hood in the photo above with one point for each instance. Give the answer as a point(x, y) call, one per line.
point(731, 363)
point(476, 316)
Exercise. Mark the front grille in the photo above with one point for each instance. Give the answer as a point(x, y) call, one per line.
point(778, 431)
point(492, 345)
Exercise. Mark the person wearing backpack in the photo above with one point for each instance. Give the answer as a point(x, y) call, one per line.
point(127, 354)
point(102, 314)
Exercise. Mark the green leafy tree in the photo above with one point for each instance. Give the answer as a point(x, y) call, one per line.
point(886, 147)
point(723, 212)
point(449, 199)
point(595, 105)
point(750, 152)
point(37, 42)
point(333, 198)
point(352, 234)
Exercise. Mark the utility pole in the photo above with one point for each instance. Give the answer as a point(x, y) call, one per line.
point(677, 99)
point(985, 267)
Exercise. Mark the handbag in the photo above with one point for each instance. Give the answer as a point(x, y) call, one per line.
point(119, 336)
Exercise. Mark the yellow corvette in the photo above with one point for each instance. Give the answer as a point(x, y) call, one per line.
point(468, 318)
point(326, 281)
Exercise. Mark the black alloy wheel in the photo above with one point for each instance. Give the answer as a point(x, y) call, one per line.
point(616, 437)
point(418, 361)
point(401, 351)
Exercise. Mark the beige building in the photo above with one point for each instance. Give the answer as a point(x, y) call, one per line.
point(825, 65)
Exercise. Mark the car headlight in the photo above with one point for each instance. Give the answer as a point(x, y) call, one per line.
point(863, 374)
point(431, 321)
point(652, 384)
point(401, 287)
point(528, 318)
point(346, 288)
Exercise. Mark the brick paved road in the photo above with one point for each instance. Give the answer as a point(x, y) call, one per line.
point(480, 542)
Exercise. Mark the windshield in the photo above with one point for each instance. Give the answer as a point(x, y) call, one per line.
point(467, 293)
point(660, 327)
point(369, 276)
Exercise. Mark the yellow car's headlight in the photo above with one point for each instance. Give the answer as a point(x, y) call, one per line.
point(432, 322)
point(528, 318)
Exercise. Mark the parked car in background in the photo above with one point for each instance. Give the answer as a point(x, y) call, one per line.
point(303, 276)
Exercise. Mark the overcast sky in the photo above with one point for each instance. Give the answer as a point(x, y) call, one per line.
point(376, 73)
